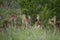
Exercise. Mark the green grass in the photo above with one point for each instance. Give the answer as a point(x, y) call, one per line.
point(28, 34)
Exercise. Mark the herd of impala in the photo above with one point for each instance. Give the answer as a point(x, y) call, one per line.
point(27, 20)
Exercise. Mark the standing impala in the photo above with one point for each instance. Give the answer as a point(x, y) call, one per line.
point(54, 23)
point(38, 22)
point(26, 21)
point(9, 20)
point(29, 20)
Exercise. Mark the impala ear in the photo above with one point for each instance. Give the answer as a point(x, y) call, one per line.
point(29, 17)
point(38, 17)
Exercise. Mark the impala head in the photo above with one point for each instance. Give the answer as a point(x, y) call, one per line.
point(38, 17)
point(52, 21)
point(49, 21)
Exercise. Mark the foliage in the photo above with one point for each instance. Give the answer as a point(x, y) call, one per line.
point(30, 34)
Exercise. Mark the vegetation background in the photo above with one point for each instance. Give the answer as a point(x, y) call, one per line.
point(45, 8)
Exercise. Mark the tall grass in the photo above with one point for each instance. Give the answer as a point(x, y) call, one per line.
point(28, 34)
